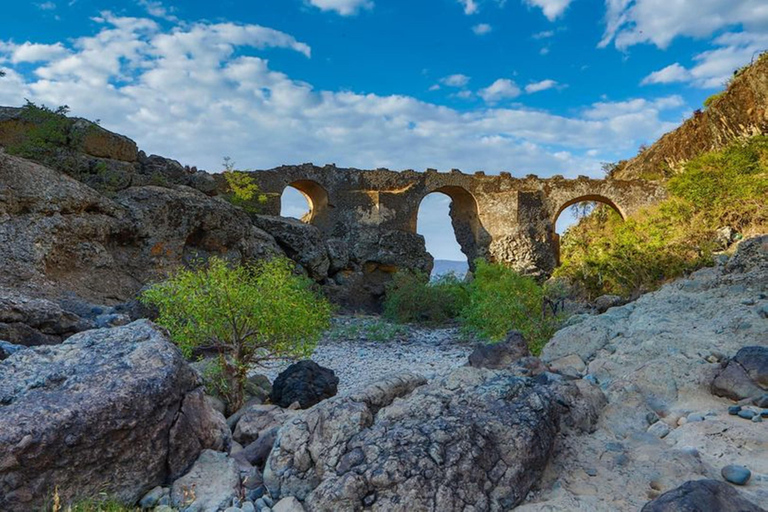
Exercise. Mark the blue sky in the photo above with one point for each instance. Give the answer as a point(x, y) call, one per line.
point(528, 86)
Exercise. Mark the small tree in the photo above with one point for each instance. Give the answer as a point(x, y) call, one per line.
point(246, 314)
point(243, 190)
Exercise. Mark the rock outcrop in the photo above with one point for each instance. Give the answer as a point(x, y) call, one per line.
point(476, 437)
point(111, 410)
point(655, 359)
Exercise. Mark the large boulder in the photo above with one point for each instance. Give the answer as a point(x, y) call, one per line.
point(300, 241)
point(26, 321)
point(476, 436)
point(744, 376)
point(702, 496)
point(305, 382)
point(110, 410)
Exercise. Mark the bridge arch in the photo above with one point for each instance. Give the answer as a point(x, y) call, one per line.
point(465, 219)
point(594, 198)
point(316, 196)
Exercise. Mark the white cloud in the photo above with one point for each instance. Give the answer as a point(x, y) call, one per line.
point(713, 68)
point(552, 9)
point(47, 6)
point(630, 22)
point(457, 80)
point(343, 7)
point(543, 85)
point(157, 9)
point(546, 34)
point(501, 89)
point(670, 74)
point(187, 92)
point(33, 52)
point(482, 29)
point(470, 6)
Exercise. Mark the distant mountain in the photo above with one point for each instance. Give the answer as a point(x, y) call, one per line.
point(441, 267)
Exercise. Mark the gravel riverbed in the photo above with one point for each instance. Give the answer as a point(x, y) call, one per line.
point(362, 349)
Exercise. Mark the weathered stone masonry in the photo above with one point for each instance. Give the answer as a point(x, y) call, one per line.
point(500, 218)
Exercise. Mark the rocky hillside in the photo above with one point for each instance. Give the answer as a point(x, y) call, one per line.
point(740, 111)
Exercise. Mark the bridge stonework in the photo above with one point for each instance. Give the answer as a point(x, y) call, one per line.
point(499, 217)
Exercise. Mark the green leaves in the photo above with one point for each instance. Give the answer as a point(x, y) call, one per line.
point(678, 235)
point(246, 313)
point(412, 298)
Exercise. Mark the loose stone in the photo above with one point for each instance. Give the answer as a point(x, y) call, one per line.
point(736, 474)
point(734, 410)
point(746, 414)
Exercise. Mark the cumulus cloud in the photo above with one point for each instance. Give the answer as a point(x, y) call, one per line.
point(157, 9)
point(542, 85)
point(343, 7)
point(482, 29)
point(501, 89)
point(199, 91)
point(457, 80)
point(630, 22)
point(713, 68)
point(552, 9)
point(32, 52)
point(47, 6)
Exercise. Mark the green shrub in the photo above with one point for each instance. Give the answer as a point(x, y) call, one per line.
point(48, 133)
point(501, 300)
point(242, 188)
point(603, 254)
point(713, 98)
point(411, 297)
point(246, 314)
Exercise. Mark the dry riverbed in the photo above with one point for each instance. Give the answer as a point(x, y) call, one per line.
point(362, 349)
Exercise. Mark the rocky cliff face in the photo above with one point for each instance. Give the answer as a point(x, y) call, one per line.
point(741, 111)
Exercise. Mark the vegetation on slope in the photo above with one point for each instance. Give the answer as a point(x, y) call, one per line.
point(722, 189)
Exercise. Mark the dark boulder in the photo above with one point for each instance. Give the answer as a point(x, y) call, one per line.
point(8, 349)
point(500, 355)
point(305, 382)
point(702, 496)
point(109, 410)
point(744, 376)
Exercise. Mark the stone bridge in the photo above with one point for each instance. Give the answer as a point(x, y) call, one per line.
point(500, 218)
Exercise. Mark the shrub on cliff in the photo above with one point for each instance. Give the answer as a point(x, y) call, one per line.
point(728, 188)
point(245, 313)
point(501, 300)
point(411, 297)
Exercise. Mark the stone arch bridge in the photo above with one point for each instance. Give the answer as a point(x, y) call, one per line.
point(499, 217)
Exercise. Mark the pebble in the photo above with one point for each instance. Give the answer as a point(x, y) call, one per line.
point(735, 474)
point(746, 414)
point(590, 471)
point(694, 417)
point(757, 419)
point(764, 413)
point(734, 410)
point(659, 429)
point(651, 418)
point(248, 507)
point(761, 401)
point(431, 352)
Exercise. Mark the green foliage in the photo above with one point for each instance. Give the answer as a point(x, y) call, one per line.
point(49, 133)
point(245, 313)
point(411, 297)
point(603, 254)
point(375, 330)
point(713, 98)
point(243, 190)
point(501, 300)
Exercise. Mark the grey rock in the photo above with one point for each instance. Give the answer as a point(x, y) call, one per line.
point(212, 483)
point(289, 504)
point(659, 429)
point(260, 418)
point(248, 507)
point(30, 322)
point(300, 241)
point(500, 355)
point(153, 497)
point(8, 349)
point(747, 414)
point(477, 435)
point(605, 302)
point(110, 410)
point(258, 451)
point(570, 361)
point(702, 495)
point(736, 474)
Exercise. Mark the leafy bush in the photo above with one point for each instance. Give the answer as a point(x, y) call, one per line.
point(603, 254)
point(375, 330)
point(713, 98)
point(501, 300)
point(411, 297)
point(246, 314)
point(49, 133)
point(243, 190)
